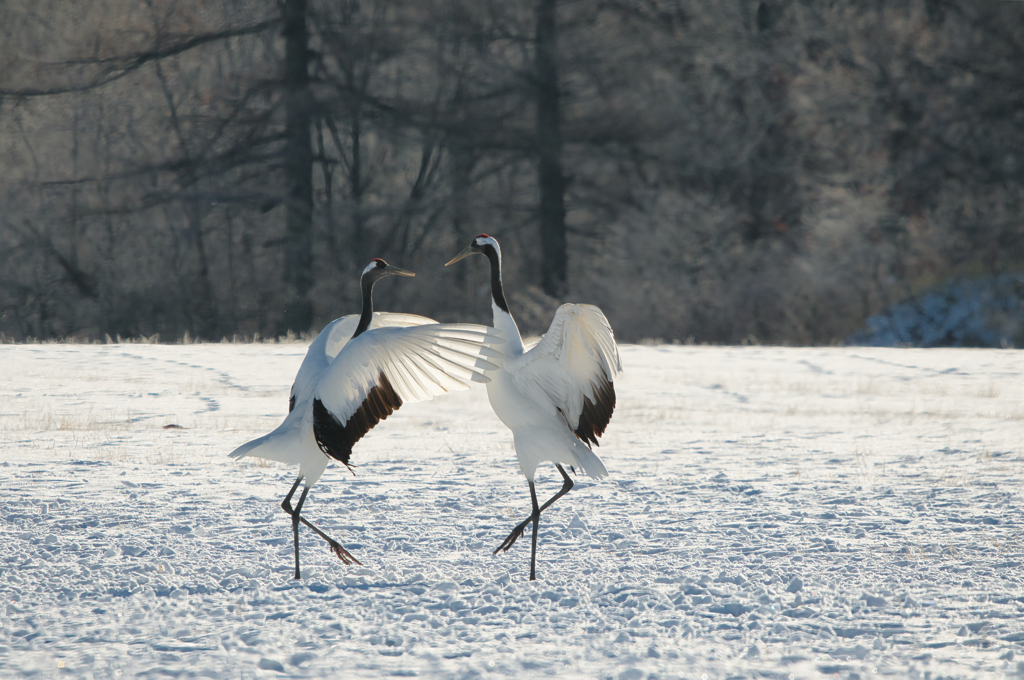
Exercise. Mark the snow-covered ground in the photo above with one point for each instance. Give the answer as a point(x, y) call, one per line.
point(785, 513)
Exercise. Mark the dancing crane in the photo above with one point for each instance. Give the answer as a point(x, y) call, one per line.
point(356, 374)
point(557, 397)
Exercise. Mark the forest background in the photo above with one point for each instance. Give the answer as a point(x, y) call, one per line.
point(718, 171)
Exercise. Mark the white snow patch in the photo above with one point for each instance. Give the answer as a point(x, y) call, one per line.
point(770, 513)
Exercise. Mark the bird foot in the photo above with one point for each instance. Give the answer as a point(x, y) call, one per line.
point(344, 555)
point(513, 537)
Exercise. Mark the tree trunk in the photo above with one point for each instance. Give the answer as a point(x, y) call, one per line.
point(298, 164)
point(199, 299)
point(549, 152)
point(360, 244)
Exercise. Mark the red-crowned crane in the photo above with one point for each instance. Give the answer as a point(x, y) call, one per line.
point(357, 373)
point(558, 397)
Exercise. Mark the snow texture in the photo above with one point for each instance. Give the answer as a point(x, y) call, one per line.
point(985, 312)
point(783, 513)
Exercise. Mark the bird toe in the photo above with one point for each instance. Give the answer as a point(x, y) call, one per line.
point(344, 555)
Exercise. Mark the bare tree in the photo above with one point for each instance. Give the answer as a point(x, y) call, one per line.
point(725, 170)
point(298, 168)
point(550, 178)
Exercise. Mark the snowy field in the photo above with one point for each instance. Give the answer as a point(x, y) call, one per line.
point(782, 513)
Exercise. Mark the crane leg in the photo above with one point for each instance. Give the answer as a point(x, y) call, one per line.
point(536, 526)
point(286, 504)
point(344, 555)
point(535, 518)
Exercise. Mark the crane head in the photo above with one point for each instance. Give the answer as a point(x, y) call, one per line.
point(480, 244)
point(378, 269)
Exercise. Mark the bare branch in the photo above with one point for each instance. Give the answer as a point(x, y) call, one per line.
point(115, 68)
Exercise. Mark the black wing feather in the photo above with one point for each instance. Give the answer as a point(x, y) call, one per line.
point(596, 414)
point(337, 440)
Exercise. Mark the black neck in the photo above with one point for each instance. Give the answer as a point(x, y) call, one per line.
point(496, 292)
point(367, 314)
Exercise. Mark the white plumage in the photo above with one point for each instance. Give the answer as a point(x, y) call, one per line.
point(291, 442)
point(420, 362)
point(332, 338)
point(347, 384)
point(541, 393)
point(556, 397)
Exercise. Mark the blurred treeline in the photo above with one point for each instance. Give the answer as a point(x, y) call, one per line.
point(722, 170)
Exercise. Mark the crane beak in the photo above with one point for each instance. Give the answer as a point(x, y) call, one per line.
point(398, 271)
point(465, 253)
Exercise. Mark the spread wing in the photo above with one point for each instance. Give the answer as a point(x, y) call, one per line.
point(331, 340)
point(381, 369)
point(574, 368)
